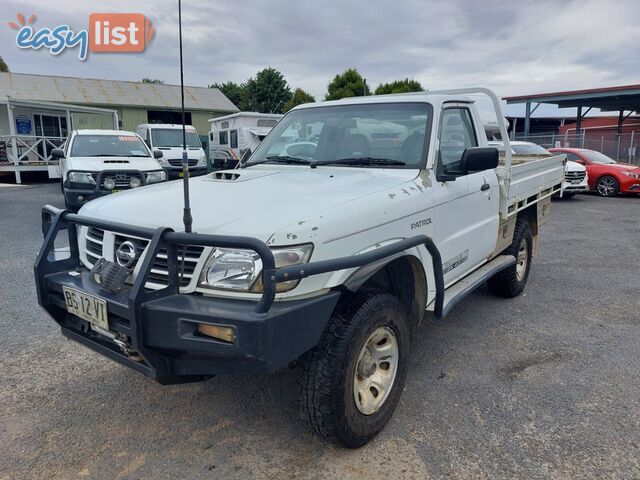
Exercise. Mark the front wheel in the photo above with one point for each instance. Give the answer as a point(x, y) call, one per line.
point(511, 281)
point(352, 380)
point(607, 186)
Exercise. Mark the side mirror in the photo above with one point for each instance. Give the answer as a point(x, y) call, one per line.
point(57, 153)
point(477, 159)
point(157, 154)
point(580, 161)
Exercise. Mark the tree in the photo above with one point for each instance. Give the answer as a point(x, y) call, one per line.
point(235, 92)
point(347, 84)
point(153, 80)
point(268, 92)
point(399, 86)
point(299, 97)
point(3, 66)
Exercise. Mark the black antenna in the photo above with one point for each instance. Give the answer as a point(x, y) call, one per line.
point(187, 219)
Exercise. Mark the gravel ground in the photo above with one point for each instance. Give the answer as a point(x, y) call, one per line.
point(543, 386)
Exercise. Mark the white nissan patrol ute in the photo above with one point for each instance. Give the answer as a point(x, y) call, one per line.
point(326, 257)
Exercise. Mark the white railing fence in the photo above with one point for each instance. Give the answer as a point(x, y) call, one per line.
point(29, 149)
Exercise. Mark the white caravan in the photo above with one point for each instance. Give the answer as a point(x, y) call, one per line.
point(233, 135)
point(167, 138)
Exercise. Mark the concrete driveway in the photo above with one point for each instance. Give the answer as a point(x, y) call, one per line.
point(543, 386)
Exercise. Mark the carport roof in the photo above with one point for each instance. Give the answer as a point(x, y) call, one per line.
point(91, 91)
point(625, 97)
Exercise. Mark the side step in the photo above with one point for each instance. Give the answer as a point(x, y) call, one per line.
point(468, 284)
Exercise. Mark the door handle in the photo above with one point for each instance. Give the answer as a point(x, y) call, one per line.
point(485, 187)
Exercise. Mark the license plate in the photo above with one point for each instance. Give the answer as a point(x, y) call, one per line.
point(575, 181)
point(89, 308)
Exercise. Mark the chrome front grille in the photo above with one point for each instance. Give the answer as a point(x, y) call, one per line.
point(160, 270)
point(94, 248)
point(177, 162)
point(576, 177)
point(93, 244)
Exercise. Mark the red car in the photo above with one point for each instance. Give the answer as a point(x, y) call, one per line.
point(606, 176)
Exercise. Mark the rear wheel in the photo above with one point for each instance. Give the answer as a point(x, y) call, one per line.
point(607, 186)
point(511, 281)
point(352, 380)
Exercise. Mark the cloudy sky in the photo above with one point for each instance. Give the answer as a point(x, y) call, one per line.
point(514, 47)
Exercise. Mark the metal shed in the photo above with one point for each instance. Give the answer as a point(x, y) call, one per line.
point(623, 99)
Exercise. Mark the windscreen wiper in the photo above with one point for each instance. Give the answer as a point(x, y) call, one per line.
point(365, 161)
point(281, 159)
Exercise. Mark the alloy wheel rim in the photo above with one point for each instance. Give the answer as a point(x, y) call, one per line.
point(376, 370)
point(606, 186)
point(521, 260)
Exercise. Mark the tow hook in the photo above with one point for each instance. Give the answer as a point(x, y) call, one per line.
point(122, 341)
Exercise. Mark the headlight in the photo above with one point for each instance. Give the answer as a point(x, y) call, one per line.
point(203, 160)
point(155, 177)
point(81, 177)
point(632, 174)
point(239, 270)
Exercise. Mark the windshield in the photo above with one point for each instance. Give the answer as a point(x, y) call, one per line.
point(597, 157)
point(391, 132)
point(108, 146)
point(529, 150)
point(172, 137)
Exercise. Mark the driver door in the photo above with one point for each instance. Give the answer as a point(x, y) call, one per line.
point(466, 204)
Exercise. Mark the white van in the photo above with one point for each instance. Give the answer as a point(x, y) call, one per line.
point(233, 135)
point(167, 138)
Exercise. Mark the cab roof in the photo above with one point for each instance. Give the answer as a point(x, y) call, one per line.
point(435, 98)
point(173, 126)
point(87, 131)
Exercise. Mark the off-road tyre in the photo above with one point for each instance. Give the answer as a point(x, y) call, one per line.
point(329, 369)
point(511, 281)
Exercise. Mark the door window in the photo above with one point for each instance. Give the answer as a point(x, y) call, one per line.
point(456, 135)
point(233, 138)
point(573, 157)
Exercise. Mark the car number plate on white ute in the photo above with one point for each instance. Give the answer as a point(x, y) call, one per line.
point(88, 307)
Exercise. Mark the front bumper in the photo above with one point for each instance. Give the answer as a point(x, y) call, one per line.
point(155, 331)
point(575, 187)
point(76, 197)
point(176, 172)
point(166, 337)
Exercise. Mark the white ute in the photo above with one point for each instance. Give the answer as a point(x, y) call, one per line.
point(95, 163)
point(324, 254)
